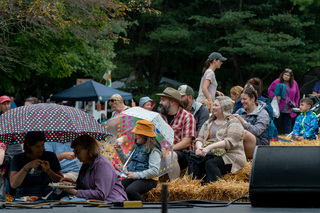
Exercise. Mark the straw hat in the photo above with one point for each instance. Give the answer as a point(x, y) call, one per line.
point(171, 93)
point(144, 127)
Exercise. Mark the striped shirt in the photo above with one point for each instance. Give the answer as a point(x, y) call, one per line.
point(183, 125)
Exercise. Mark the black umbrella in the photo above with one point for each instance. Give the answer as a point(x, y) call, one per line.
point(309, 79)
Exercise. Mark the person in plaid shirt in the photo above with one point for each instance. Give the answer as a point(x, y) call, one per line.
point(184, 126)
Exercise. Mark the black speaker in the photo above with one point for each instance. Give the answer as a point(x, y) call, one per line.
point(285, 176)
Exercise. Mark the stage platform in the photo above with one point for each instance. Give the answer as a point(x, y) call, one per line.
point(156, 208)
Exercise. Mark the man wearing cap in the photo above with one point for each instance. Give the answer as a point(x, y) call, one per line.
point(5, 104)
point(198, 110)
point(208, 85)
point(184, 126)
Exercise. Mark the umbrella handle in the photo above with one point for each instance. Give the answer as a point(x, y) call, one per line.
point(124, 168)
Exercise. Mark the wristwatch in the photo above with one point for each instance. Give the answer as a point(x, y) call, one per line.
point(244, 123)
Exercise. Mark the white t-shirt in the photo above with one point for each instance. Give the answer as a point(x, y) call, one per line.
point(212, 88)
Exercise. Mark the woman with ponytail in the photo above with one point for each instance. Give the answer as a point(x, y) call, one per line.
point(208, 84)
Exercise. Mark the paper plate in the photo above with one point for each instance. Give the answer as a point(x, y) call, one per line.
point(60, 186)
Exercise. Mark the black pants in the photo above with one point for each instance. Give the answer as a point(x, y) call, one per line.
point(210, 166)
point(135, 188)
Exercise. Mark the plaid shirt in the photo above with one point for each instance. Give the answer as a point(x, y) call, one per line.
point(183, 125)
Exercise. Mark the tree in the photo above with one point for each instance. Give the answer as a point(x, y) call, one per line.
point(41, 39)
point(259, 38)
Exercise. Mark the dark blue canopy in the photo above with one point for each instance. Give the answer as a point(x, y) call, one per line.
point(89, 91)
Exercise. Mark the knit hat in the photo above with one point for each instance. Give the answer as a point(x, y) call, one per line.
point(171, 93)
point(144, 127)
point(226, 104)
point(4, 99)
point(144, 100)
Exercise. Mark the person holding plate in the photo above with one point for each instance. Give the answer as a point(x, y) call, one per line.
point(97, 178)
point(35, 168)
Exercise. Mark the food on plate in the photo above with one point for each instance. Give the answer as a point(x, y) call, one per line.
point(66, 183)
point(30, 198)
point(63, 183)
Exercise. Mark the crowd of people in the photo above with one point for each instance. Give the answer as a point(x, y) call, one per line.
point(213, 135)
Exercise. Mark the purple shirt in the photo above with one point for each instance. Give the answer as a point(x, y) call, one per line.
point(316, 87)
point(102, 182)
point(293, 95)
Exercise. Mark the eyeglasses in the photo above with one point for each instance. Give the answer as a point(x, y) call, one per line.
point(113, 100)
point(288, 70)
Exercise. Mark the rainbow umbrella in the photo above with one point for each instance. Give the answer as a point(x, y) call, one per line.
point(120, 130)
point(59, 123)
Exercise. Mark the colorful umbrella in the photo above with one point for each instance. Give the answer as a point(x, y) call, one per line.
point(59, 123)
point(120, 129)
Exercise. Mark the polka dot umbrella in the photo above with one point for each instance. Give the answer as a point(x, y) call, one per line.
point(59, 123)
point(120, 130)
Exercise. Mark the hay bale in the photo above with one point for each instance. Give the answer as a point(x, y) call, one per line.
point(183, 188)
point(296, 143)
point(187, 189)
point(228, 188)
point(224, 190)
point(241, 175)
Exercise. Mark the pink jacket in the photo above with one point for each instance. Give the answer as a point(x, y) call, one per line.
point(294, 95)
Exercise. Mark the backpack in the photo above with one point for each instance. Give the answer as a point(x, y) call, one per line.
point(271, 130)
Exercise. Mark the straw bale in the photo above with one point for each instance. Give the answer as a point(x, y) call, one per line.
point(183, 188)
point(228, 188)
point(296, 143)
point(224, 190)
point(241, 175)
point(187, 189)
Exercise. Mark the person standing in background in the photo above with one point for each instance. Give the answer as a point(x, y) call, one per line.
point(208, 85)
point(292, 96)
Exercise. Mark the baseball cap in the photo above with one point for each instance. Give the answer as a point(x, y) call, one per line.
point(216, 55)
point(4, 98)
point(185, 90)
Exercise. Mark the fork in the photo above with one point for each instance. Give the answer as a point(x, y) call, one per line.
point(46, 197)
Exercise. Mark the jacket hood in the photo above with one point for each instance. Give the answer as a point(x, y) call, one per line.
point(257, 110)
point(226, 104)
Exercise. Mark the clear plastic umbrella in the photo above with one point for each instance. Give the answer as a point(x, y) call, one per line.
point(120, 130)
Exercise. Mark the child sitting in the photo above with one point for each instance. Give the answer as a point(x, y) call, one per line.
point(306, 125)
point(144, 164)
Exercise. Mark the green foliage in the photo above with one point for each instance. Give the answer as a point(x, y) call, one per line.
point(305, 5)
point(259, 39)
point(49, 39)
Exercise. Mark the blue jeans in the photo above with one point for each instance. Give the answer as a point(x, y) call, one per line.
point(286, 121)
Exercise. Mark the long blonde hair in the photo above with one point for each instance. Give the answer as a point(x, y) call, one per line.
point(150, 144)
